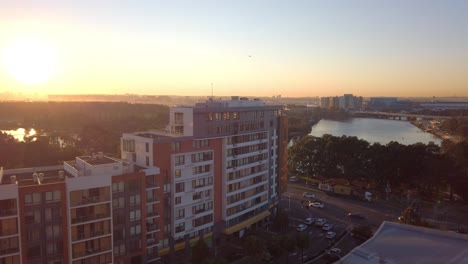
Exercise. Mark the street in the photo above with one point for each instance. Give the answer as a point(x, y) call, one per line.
point(335, 212)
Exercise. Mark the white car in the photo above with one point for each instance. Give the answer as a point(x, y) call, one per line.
point(316, 204)
point(320, 222)
point(309, 221)
point(336, 251)
point(327, 227)
point(330, 235)
point(293, 179)
point(301, 227)
point(308, 195)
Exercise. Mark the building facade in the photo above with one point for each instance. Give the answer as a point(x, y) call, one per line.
point(221, 165)
point(216, 171)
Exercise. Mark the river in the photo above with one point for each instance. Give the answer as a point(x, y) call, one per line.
point(375, 130)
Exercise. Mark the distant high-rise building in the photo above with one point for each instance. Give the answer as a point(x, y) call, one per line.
point(346, 102)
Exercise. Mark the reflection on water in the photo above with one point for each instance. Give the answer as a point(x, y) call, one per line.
point(375, 130)
point(20, 133)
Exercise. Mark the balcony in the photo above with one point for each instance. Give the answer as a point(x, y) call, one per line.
point(8, 212)
point(152, 227)
point(151, 241)
point(87, 218)
point(152, 199)
point(152, 214)
point(8, 251)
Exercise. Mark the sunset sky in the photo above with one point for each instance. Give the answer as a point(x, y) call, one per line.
point(249, 48)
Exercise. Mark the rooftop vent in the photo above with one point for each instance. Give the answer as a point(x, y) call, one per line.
point(61, 175)
point(41, 177)
point(13, 179)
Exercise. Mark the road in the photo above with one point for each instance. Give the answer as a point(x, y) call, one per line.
point(335, 212)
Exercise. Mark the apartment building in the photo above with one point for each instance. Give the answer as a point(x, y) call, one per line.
point(221, 166)
point(216, 171)
point(93, 209)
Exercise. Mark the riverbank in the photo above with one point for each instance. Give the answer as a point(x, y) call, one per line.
point(429, 128)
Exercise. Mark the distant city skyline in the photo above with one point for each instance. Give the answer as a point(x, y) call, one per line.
point(250, 48)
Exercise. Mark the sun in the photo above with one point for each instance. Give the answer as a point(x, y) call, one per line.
point(30, 61)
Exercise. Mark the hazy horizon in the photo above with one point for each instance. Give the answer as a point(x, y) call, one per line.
point(250, 48)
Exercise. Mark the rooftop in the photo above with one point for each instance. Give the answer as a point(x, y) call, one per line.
point(399, 243)
point(34, 176)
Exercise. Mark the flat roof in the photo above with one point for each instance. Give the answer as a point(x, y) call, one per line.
point(400, 243)
point(26, 178)
point(97, 160)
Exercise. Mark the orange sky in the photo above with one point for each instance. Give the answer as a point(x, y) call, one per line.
point(257, 49)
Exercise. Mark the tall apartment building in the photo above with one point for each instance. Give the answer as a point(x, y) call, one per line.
point(216, 171)
point(221, 164)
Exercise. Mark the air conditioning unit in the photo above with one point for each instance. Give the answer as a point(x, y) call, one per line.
point(35, 177)
point(61, 175)
point(41, 176)
point(13, 179)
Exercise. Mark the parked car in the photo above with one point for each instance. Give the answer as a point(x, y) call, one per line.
point(316, 204)
point(356, 215)
point(334, 251)
point(330, 235)
point(309, 220)
point(293, 179)
point(308, 195)
point(327, 227)
point(301, 227)
point(320, 221)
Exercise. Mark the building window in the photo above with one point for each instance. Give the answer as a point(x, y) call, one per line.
point(117, 187)
point(147, 161)
point(147, 146)
point(180, 227)
point(235, 115)
point(178, 200)
point(177, 173)
point(135, 230)
point(175, 146)
point(179, 160)
point(135, 199)
point(180, 187)
point(210, 116)
point(52, 196)
point(135, 215)
point(226, 116)
point(128, 145)
point(180, 214)
point(218, 116)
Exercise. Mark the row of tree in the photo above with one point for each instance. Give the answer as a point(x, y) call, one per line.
point(424, 166)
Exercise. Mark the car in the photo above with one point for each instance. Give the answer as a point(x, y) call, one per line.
point(309, 220)
point(336, 251)
point(356, 215)
point(308, 195)
point(320, 222)
point(327, 227)
point(316, 204)
point(301, 227)
point(293, 179)
point(330, 235)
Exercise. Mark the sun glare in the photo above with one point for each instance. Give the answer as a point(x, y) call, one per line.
point(30, 61)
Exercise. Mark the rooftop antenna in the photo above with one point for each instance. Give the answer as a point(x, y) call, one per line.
point(211, 90)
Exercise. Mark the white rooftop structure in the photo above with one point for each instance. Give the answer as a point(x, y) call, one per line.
point(395, 243)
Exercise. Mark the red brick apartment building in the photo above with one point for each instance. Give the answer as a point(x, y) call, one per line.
point(214, 172)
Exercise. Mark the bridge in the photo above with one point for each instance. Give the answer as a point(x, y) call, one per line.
point(370, 113)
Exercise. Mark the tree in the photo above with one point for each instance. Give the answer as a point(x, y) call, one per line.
point(200, 251)
point(281, 221)
point(288, 244)
point(302, 242)
point(253, 247)
point(362, 231)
